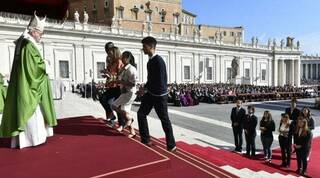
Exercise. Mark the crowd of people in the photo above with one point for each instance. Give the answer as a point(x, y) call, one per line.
point(305, 81)
point(295, 133)
point(192, 94)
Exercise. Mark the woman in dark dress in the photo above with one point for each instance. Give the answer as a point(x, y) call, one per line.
point(267, 126)
point(306, 114)
point(285, 140)
point(302, 136)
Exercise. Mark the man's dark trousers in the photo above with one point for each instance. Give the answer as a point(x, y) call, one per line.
point(160, 105)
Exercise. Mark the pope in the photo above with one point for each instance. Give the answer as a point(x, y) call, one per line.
point(28, 114)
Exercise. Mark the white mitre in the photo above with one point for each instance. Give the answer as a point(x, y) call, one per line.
point(36, 23)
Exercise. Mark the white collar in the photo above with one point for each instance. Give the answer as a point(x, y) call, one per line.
point(30, 38)
point(153, 56)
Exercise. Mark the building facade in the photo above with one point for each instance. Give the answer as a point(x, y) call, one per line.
point(310, 69)
point(157, 16)
point(76, 52)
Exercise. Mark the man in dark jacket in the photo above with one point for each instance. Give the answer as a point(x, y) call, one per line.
point(155, 94)
point(293, 111)
point(238, 115)
point(249, 125)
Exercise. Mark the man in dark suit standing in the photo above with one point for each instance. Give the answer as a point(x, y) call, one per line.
point(238, 115)
point(293, 111)
point(155, 94)
point(249, 125)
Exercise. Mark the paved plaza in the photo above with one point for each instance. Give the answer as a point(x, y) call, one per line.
point(205, 124)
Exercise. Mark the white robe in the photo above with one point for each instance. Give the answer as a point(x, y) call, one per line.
point(35, 133)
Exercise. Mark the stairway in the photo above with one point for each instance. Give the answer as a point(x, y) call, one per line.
point(245, 173)
point(239, 164)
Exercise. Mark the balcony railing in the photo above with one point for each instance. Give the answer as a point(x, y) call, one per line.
point(23, 20)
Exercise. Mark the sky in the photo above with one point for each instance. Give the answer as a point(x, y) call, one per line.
point(264, 19)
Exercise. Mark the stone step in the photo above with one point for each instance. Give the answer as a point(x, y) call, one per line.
point(232, 170)
point(245, 173)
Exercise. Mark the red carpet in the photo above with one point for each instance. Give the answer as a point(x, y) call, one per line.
point(223, 157)
point(84, 147)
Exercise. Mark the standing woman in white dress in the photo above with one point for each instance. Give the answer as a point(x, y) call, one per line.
point(127, 81)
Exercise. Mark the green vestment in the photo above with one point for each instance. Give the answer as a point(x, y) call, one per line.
point(3, 93)
point(29, 87)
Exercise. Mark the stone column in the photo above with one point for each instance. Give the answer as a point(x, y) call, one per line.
point(297, 74)
point(317, 71)
point(292, 72)
point(256, 71)
point(311, 71)
point(270, 80)
point(87, 63)
point(217, 69)
point(275, 72)
point(307, 71)
point(282, 72)
point(48, 55)
point(304, 70)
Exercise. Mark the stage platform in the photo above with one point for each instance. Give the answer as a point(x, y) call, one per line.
point(84, 147)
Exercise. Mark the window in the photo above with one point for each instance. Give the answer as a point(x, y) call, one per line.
point(263, 74)
point(228, 73)
point(64, 69)
point(187, 72)
point(224, 33)
point(120, 13)
point(148, 17)
point(239, 33)
point(231, 33)
point(100, 66)
point(135, 11)
point(162, 17)
point(106, 4)
point(209, 73)
point(176, 19)
point(163, 30)
point(247, 73)
point(134, 15)
point(95, 5)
